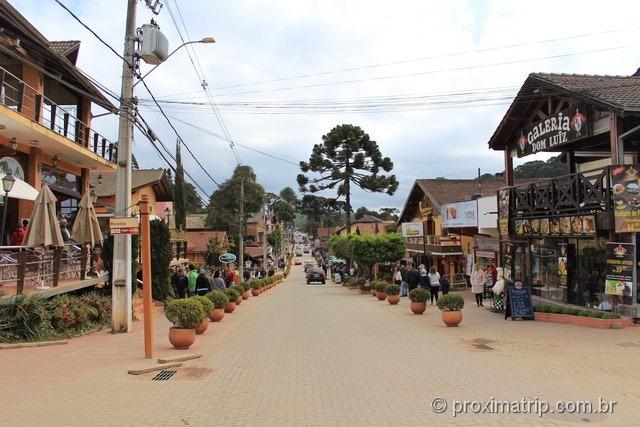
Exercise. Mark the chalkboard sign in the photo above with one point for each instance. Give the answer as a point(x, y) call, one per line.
point(519, 304)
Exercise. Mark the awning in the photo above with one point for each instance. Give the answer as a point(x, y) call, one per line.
point(21, 190)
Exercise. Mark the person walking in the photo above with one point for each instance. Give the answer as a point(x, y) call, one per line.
point(434, 283)
point(203, 284)
point(192, 277)
point(413, 277)
point(477, 283)
point(180, 283)
point(404, 286)
point(424, 277)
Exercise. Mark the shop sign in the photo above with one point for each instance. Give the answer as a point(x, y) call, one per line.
point(519, 301)
point(626, 198)
point(124, 225)
point(570, 124)
point(412, 229)
point(619, 271)
point(227, 258)
point(461, 214)
point(562, 264)
point(576, 225)
point(503, 211)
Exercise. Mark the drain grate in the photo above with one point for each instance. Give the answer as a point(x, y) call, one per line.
point(164, 375)
point(483, 347)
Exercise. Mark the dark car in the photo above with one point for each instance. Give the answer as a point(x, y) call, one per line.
point(315, 275)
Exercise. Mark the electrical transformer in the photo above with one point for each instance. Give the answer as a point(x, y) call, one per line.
point(153, 47)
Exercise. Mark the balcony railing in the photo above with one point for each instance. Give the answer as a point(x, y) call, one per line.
point(582, 192)
point(26, 100)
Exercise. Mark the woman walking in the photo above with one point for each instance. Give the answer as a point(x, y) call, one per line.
point(434, 283)
point(477, 283)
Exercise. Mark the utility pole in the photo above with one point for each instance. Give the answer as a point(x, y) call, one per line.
point(241, 232)
point(121, 291)
point(264, 239)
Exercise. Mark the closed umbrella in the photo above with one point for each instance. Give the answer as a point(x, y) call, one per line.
point(86, 228)
point(44, 229)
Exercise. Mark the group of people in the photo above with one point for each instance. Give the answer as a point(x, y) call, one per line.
point(18, 233)
point(409, 277)
point(188, 282)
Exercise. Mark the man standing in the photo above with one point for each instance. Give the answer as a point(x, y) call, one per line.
point(203, 284)
point(180, 283)
point(413, 277)
point(66, 236)
point(404, 286)
point(192, 278)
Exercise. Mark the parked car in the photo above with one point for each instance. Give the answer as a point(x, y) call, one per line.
point(298, 252)
point(315, 275)
point(297, 262)
point(307, 265)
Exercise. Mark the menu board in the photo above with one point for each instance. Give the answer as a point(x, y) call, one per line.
point(557, 226)
point(619, 271)
point(519, 301)
point(626, 198)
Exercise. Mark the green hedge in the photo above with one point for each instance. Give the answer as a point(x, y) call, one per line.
point(574, 311)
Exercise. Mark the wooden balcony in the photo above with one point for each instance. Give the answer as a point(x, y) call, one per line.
point(436, 245)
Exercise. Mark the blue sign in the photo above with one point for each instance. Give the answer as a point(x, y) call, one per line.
point(227, 258)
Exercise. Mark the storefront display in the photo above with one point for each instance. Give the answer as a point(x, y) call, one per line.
point(619, 273)
point(557, 226)
point(503, 212)
point(626, 198)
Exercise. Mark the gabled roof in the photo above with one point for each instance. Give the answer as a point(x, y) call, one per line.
point(367, 219)
point(197, 241)
point(67, 48)
point(620, 94)
point(139, 178)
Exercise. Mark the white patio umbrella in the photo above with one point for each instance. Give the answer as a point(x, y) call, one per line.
point(44, 229)
point(86, 228)
point(21, 190)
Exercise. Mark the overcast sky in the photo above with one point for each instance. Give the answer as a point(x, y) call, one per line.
point(438, 47)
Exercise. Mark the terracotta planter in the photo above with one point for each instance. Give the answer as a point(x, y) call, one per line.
point(246, 295)
point(217, 314)
point(381, 296)
point(590, 322)
point(418, 307)
point(230, 307)
point(255, 292)
point(452, 318)
point(373, 292)
point(182, 339)
point(239, 300)
point(394, 299)
point(203, 327)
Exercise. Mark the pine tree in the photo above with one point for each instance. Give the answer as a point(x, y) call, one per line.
point(179, 208)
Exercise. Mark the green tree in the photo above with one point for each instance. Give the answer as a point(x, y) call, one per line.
point(550, 168)
point(388, 214)
point(370, 249)
point(161, 288)
point(214, 250)
point(341, 246)
point(192, 202)
point(347, 156)
point(362, 211)
point(289, 195)
point(179, 193)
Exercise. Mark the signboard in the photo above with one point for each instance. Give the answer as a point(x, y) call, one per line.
point(461, 214)
point(619, 272)
point(519, 304)
point(124, 225)
point(503, 211)
point(562, 264)
point(577, 225)
point(412, 229)
point(227, 258)
point(626, 198)
point(178, 235)
point(568, 125)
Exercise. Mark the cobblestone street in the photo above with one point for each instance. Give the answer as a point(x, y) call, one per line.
point(324, 355)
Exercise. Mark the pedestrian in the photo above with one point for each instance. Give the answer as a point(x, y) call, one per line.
point(424, 277)
point(434, 284)
point(192, 277)
point(246, 275)
point(217, 283)
point(477, 283)
point(413, 277)
point(66, 236)
point(444, 285)
point(15, 238)
point(180, 283)
point(404, 286)
point(203, 285)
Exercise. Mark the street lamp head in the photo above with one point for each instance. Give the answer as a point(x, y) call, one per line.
point(208, 40)
point(14, 144)
point(7, 182)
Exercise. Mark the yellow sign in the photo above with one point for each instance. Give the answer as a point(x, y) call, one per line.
point(178, 236)
point(124, 225)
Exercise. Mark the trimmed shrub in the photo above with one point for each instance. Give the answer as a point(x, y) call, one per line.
point(218, 298)
point(255, 284)
point(392, 289)
point(239, 290)
point(451, 302)
point(232, 294)
point(361, 281)
point(246, 286)
point(184, 313)
point(420, 295)
point(207, 304)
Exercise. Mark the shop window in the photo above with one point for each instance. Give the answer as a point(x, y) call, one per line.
point(544, 270)
point(586, 284)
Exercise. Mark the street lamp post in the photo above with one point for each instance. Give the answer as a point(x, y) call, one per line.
point(7, 185)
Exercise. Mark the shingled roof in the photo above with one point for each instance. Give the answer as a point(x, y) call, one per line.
point(64, 47)
point(139, 178)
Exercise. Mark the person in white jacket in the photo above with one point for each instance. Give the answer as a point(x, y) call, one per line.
point(478, 278)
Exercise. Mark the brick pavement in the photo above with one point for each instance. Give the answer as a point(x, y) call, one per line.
point(324, 355)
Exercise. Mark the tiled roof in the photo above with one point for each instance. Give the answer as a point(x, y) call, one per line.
point(620, 92)
point(197, 240)
point(443, 191)
point(139, 178)
point(62, 48)
point(254, 251)
point(368, 219)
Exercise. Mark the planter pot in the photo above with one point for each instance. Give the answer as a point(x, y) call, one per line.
point(239, 300)
point(394, 299)
point(230, 307)
point(182, 339)
point(246, 295)
point(203, 327)
point(373, 292)
point(452, 318)
point(418, 307)
point(255, 292)
point(381, 296)
point(590, 322)
point(217, 314)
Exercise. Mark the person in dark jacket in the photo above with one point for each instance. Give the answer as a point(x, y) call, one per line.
point(413, 277)
point(180, 283)
point(217, 282)
point(203, 285)
point(444, 285)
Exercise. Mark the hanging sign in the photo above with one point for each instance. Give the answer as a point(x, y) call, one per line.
point(626, 198)
point(461, 214)
point(568, 125)
point(227, 258)
point(124, 225)
point(619, 272)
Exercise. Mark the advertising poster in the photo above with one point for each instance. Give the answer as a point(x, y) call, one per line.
point(626, 198)
point(562, 264)
point(462, 214)
point(503, 212)
point(619, 271)
point(412, 229)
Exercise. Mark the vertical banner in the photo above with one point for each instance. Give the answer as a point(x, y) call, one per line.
point(626, 198)
point(503, 212)
point(562, 264)
point(619, 271)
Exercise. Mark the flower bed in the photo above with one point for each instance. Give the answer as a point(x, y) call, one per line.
point(576, 316)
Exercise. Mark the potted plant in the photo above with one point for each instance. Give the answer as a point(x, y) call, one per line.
point(418, 297)
point(346, 281)
point(365, 288)
point(393, 293)
point(186, 315)
point(358, 283)
point(233, 298)
point(381, 287)
point(255, 287)
point(239, 290)
point(219, 300)
point(451, 306)
point(247, 290)
point(207, 306)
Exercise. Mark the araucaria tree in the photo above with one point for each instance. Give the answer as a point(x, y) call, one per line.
point(346, 157)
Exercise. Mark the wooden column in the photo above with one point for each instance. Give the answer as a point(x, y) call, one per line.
point(57, 256)
point(617, 152)
point(146, 275)
point(508, 166)
point(83, 262)
point(22, 271)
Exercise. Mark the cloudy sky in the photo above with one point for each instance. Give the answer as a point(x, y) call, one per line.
point(428, 80)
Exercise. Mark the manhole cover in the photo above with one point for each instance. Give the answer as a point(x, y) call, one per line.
point(482, 346)
point(164, 375)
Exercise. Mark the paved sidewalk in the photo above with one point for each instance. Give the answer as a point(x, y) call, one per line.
point(324, 355)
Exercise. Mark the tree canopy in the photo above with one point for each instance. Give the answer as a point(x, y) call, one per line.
point(179, 203)
point(347, 156)
point(370, 249)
